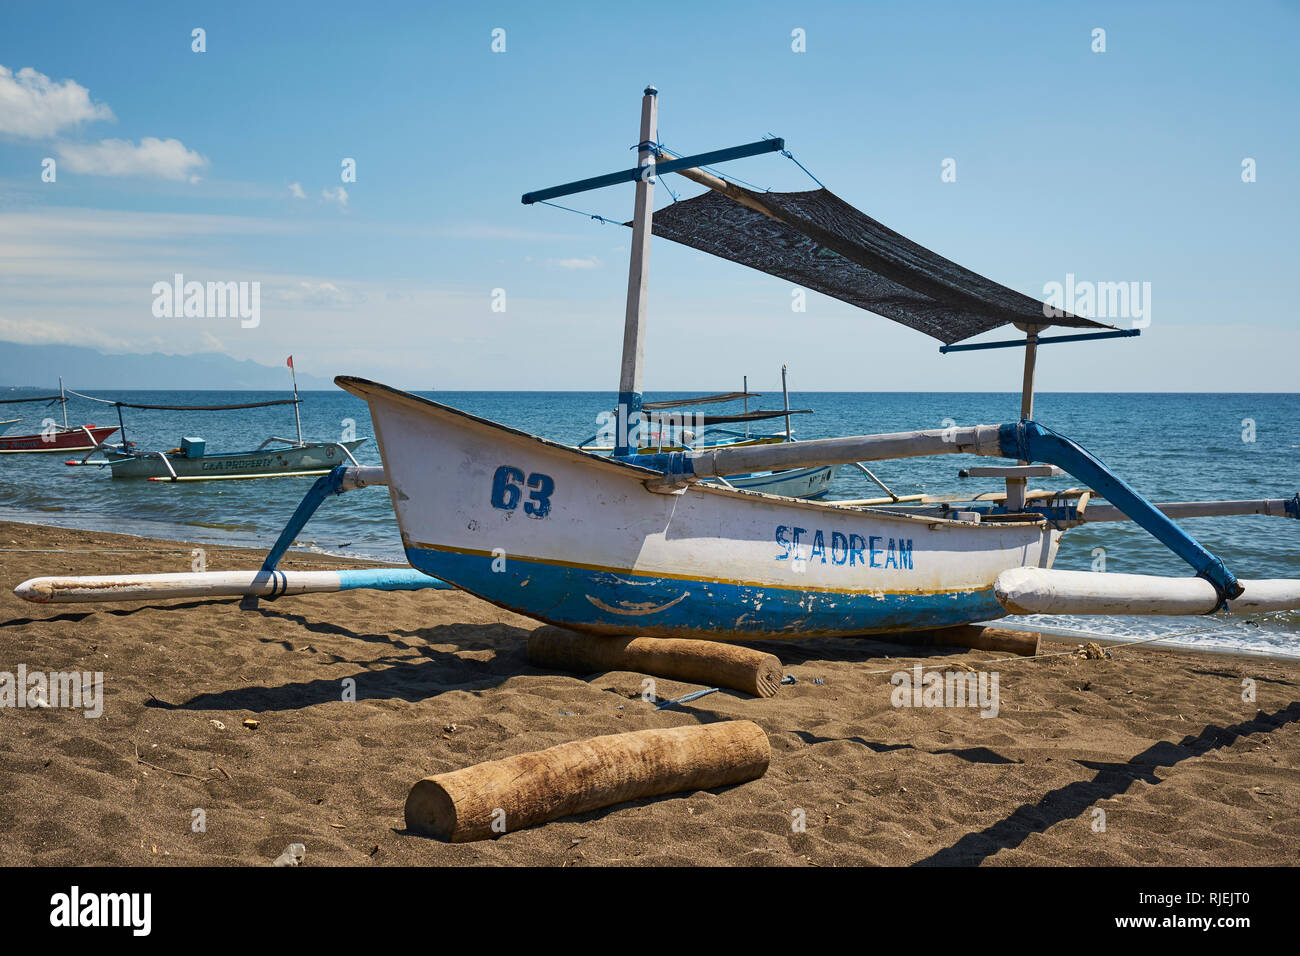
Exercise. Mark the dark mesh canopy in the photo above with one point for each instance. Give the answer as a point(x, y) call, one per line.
point(820, 242)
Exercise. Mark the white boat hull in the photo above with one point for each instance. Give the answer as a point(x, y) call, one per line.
point(577, 540)
point(807, 483)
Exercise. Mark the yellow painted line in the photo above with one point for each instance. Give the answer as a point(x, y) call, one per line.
point(270, 474)
point(688, 577)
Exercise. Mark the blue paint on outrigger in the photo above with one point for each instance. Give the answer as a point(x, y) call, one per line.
point(389, 579)
point(599, 601)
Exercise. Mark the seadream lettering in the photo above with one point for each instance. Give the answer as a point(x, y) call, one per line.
point(836, 547)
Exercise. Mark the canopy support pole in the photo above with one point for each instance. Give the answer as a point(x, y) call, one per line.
point(1016, 486)
point(629, 383)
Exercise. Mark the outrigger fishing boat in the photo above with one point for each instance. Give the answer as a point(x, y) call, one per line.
point(664, 427)
point(52, 437)
point(275, 457)
point(642, 543)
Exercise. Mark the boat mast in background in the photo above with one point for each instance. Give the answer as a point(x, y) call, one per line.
point(297, 415)
point(785, 397)
point(745, 388)
point(63, 400)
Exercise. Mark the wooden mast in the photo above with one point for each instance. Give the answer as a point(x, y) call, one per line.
point(629, 383)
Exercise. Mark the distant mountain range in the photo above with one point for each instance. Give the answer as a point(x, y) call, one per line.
point(39, 366)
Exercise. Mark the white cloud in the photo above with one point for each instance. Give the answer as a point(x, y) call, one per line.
point(339, 196)
point(323, 294)
point(590, 262)
point(80, 225)
point(164, 158)
point(295, 189)
point(35, 107)
point(34, 332)
point(496, 233)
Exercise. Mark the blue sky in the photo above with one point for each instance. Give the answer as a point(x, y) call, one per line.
point(1115, 166)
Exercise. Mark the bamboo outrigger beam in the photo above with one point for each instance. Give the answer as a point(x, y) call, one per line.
point(1044, 591)
point(86, 589)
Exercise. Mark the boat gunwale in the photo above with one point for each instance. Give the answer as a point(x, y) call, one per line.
point(153, 455)
point(359, 387)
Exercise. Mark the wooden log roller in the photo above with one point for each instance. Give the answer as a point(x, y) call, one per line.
point(694, 662)
point(489, 799)
point(1000, 639)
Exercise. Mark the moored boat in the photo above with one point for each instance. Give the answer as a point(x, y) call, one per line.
point(187, 464)
point(587, 545)
point(274, 458)
point(82, 438)
point(52, 436)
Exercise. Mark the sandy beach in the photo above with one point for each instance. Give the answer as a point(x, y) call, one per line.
point(1183, 770)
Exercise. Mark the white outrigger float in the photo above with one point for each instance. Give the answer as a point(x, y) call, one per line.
point(645, 544)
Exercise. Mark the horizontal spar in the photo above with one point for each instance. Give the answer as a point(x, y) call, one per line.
point(1044, 591)
point(673, 165)
point(681, 468)
point(147, 587)
point(1274, 507)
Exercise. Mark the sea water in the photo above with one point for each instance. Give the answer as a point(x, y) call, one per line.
point(1171, 447)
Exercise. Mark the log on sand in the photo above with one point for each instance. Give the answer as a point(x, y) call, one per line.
point(1000, 639)
point(501, 796)
point(695, 662)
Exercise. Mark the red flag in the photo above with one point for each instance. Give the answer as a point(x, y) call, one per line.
point(290, 362)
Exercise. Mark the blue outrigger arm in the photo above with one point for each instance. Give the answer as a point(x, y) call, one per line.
point(1032, 442)
point(340, 479)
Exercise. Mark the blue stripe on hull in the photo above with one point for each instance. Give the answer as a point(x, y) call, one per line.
point(610, 603)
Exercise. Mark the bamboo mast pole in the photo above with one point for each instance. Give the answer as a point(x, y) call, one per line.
point(638, 274)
